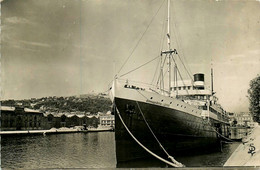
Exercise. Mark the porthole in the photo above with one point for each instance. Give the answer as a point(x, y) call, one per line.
point(170, 102)
point(161, 100)
point(177, 104)
point(151, 98)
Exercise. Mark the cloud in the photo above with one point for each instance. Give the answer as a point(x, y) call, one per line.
point(17, 20)
point(237, 56)
point(35, 43)
point(4, 35)
point(23, 48)
point(24, 45)
point(255, 52)
point(250, 57)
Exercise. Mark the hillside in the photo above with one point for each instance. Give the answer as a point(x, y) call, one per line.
point(83, 103)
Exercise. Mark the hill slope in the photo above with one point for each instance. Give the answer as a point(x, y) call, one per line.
point(84, 103)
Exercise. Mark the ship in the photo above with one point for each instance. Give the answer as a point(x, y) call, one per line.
point(171, 117)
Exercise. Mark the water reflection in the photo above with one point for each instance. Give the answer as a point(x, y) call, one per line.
point(86, 150)
point(206, 159)
point(78, 150)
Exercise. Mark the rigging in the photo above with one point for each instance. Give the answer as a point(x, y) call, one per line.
point(140, 39)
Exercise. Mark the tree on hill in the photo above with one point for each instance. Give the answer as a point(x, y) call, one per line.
point(254, 98)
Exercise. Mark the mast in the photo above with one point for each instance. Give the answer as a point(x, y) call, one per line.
point(168, 26)
point(212, 91)
point(169, 52)
point(169, 47)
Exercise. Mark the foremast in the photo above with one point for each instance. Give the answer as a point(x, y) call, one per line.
point(168, 53)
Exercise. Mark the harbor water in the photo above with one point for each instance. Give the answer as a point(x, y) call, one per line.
point(86, 150)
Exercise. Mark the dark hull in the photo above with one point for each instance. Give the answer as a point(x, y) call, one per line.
point(179, 132)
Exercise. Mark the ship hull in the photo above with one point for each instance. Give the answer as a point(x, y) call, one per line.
point(178, 131)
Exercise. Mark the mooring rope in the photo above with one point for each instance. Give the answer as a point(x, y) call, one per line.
point(156, 156)
point(219, 133)
point(169, 156)
point(222, 135)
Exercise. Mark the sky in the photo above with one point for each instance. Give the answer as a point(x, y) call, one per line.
point(65, 47)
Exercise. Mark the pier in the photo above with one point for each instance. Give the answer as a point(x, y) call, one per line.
point(55, 131)
point(248, 152)
point(50, 131)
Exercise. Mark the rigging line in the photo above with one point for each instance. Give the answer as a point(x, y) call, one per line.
point(169, 156)
point(106, 91)
point(189, 72)
point(184, 66)
point(161, 77)
point(180, 76)
point(142, 95)
point(161, 45)
point(161, 73)
point(160, 62)
point(139, 66)
point(198, 91)
point(165, 73)
point(178, 40)
point(176, 66)
point(163, 63)
point(164, 77)
point(189, 75)
point(156, 70)
point(182, 80)
point(182, 52)
point(162, 82)
point(136, 140)
point(139, 82)
point(140, 39)
point(163, 40)
point(162, 33)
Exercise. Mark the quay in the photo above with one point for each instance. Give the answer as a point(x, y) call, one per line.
point(248, 152)
point(44, 132)
point(24, 119)
point(100, 129)
point(54, 131)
